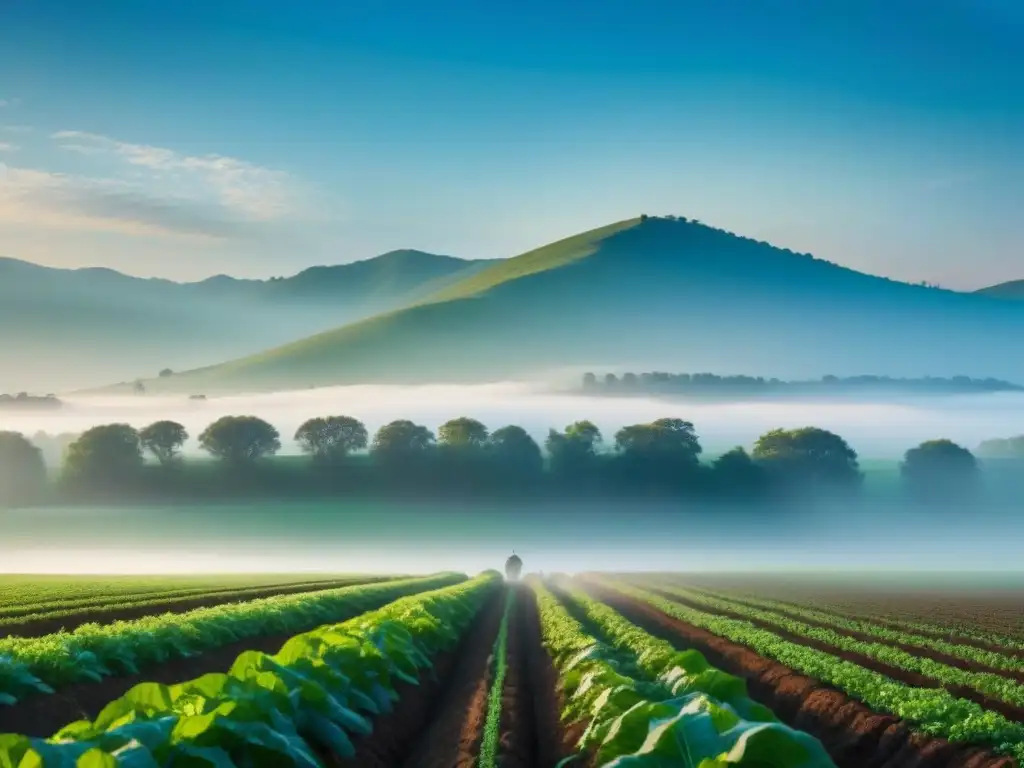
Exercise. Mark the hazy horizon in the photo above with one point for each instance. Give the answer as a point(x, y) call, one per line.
point(874, 429)
point(410, 536)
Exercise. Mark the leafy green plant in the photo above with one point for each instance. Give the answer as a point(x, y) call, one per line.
point(868, 627)
point(997, 686)
point(933, 711)
point(647, 724)
point(492, 726)
point(322, 688)
point(94, 651)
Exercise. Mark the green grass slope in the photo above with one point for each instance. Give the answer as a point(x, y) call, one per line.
point(648, 294)
point(62, 328)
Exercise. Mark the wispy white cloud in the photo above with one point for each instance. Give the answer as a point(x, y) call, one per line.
point(16, 128)
point(4, 103)
point(6, 146)
point(248, 190)
point(146, 190)
point(64, 201)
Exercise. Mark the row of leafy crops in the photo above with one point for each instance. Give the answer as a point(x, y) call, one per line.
point(959, 629)
point(988, 683)
point(957, 617)
point(646, 704)
point(24, 589)
point(492, 726)
point(96, 607)
point(867, 627)
point(932, 710)
point(94, 651)
point(320, 691)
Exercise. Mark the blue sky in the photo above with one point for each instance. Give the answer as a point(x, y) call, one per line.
point(191, 138)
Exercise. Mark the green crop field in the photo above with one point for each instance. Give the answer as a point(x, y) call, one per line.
point(622, 670)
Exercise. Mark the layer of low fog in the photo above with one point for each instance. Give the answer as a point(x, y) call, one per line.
point(401, 537)
point(353, 535)
point(875, 430)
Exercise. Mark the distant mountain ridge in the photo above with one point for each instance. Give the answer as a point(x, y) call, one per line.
point(651, 294)
point(66, 328)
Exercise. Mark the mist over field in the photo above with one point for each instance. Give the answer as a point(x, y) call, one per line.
point(408, 537)
point(413, 536)
point(874, 429)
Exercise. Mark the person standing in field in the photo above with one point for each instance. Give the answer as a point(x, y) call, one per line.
point(513, 567)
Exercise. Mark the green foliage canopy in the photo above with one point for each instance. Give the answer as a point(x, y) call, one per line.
point(22, 470)
point(240, 439)
point(330, 439)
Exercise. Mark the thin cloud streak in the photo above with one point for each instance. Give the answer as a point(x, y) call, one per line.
point(75, 202)
point(144, 190)
point(251, 191)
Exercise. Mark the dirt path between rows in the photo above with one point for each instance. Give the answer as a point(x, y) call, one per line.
point(1006, 709)
point(532, 735)
point(854, 735)
point(72, 621)
point(456, 714)
point(438, 722)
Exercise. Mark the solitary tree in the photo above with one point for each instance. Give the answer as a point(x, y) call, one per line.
point(163, 439)
point(940, 469)
point(240, 439)
point(22, 470)
point(164, 373)
point(330, 439)
point(107, 454)
point(808, 455)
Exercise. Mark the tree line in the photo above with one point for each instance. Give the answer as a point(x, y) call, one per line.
point(714, 384)
point(464, 457)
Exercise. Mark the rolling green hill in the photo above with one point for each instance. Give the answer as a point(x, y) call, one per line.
point(64, 328)
point(1013, 289)
point(648, 294)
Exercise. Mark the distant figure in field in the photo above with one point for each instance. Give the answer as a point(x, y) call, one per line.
point(513, 567)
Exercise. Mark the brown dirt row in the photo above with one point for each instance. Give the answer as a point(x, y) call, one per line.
point(438, 722)
point(1011, 711)
point(854, 735)
point(452, 738)
point(75, 620)
point(917, 650)
point(532, 735)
